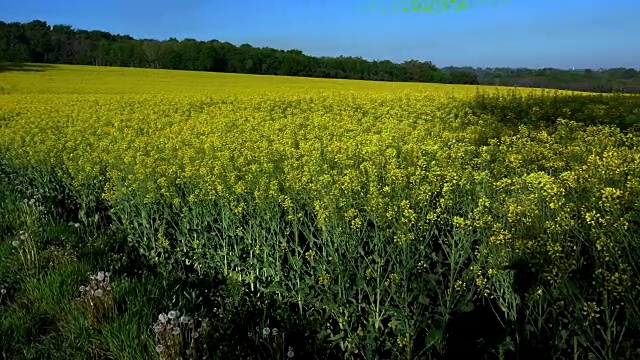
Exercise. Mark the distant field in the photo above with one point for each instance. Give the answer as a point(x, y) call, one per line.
point(383, 214)
point(72, 79)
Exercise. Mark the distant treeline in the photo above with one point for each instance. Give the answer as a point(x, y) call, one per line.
point(38, 42)
point(600, 80)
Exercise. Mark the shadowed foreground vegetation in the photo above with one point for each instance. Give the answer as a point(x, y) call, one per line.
point(327, 225)
point(6, 67)
point(545, 108)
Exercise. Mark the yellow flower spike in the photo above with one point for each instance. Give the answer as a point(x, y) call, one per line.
point(402, 341)
point(310, 256)
point(324, 279)
point(162, 241)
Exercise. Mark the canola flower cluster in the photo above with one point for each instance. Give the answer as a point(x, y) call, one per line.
point(342, 194)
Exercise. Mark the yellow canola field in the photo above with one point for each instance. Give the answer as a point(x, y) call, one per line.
point(70, 79)
point(177, 154)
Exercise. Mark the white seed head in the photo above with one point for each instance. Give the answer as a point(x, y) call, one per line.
point(3, 291)
point(266, 331)
point(15, 243)
point(100, 275)
point(163, 317)
point(157, 327)
point(290, 352)
point(99, 293)
point(274, 331)
point(173, 314)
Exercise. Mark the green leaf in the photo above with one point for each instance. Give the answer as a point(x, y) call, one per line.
point(467, 307)
point(275, 287)
point(423, 299)
point(435, 337)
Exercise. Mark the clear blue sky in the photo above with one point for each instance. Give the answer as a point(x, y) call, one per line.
point(520, 33)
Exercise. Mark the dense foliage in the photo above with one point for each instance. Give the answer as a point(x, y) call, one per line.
point(598, 80)
point(408, 224)
point(544, 109)
point(38, 42)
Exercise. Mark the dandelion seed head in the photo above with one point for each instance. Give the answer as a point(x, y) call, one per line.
point(15, 243)
point(99, 293)
point(274, 331)
point(163, 317)
point(157, 327)
point(100, 275)
point(266, 331)
point(173, 314)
